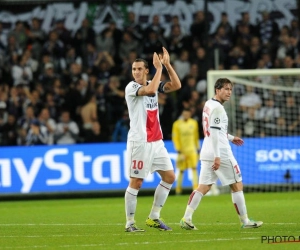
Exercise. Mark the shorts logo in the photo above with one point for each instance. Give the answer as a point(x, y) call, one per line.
point(136, 171)
point(217, 120)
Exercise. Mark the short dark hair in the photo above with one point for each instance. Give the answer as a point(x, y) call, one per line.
point(144, 61)
point(221, 82)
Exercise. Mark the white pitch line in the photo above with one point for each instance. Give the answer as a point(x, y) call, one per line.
point(132, 243)
point(122, 224)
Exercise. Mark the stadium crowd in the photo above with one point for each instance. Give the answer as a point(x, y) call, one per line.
point(64, 88)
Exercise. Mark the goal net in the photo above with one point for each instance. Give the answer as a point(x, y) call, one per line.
point(264, 111)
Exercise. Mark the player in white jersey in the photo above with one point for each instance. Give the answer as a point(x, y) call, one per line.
point(145, 149)
point(217, 160)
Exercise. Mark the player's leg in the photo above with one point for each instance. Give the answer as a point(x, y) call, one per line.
point(163, 166)
point(138, 170)
point(130, 204)
point(192, 162)
point(229, 173)
point(206, 179)
point(181, 166)
point(238, 200)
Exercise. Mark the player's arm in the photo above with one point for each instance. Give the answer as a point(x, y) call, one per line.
point(215, 118)
point(175, 83)
point(235, 140)
point(196, 136)
point(175, 137)
point(152, 87)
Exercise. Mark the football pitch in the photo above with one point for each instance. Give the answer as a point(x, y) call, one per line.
point(98, 223)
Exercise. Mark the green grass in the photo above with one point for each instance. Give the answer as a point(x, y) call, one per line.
point(99, 223)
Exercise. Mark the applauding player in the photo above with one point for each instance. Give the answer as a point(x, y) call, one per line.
point(146, 151)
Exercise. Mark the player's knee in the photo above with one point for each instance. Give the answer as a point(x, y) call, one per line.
point(136, 183)
point(169, 178)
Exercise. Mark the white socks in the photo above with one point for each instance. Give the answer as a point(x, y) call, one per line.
point(192, 205)
point(130, 205)
point(239, 203)
point(160, 196)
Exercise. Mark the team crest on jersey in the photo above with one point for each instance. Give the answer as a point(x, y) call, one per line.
point(136, 171)
point(217, 120)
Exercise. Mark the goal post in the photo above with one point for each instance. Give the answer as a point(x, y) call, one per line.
point(264, 111)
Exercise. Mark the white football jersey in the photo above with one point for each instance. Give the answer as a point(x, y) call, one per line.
point(214, 116)
point(143, 114)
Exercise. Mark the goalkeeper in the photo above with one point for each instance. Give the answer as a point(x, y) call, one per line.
point(185, 137)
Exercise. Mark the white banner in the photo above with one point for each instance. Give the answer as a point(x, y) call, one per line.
point(283, 11)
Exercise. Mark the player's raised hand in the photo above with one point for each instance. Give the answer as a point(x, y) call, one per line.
point(237, 141)
point(156, 61)
point(165, 57)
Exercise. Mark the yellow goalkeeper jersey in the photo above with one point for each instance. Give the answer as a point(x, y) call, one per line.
point(185, 136)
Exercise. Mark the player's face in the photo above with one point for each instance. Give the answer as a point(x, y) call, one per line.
point(139, 72)
point(224, 93)
point(186, 115)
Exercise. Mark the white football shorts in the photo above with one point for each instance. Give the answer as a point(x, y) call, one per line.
point(228, 172)
point(145, 157)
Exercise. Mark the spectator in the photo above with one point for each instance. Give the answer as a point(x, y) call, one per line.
point(96, 134)
point(155, 27)
point(176, 22)
point(128, 44)
point(54, 47)
point(63, 33)
point(84, 35)
point(245, 21)
point(222, 41)
point(37, 134)
point(22, 73)
point(250, 100)
point(3, 38)
point(132, 26)
point(19, 33)
point(48, 77)
point(114, 99)
point(153, 43)
point(249, 125)
point(70, 58)
point(3, 113)
point(105, 42)
point(89, 114)
point(182, 64)
point(25, 120)
point(175, 42)
point(291, 114)
point(67, 130)
point(203, 62)
point(253, 53)
point(116, 34)
point(121, 129)
point(45, 120)
point(36, 38)
point(237, 57)
point(8, 132)
point(269, 114)
point(199, 26)
point(267, 29)
point(225, 24)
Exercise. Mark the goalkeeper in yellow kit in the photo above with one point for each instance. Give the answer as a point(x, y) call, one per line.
point(185, 136)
